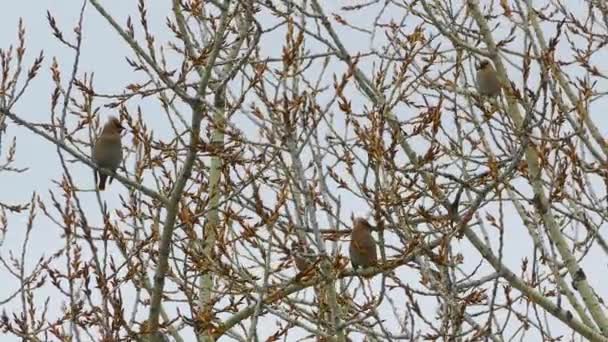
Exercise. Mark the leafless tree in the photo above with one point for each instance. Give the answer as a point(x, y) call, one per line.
point(281, 121)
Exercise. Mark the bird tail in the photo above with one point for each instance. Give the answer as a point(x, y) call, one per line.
point(102, 182)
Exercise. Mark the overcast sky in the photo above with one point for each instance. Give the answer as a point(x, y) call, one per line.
point(103, 52)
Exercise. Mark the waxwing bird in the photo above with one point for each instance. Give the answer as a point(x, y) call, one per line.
point(487, 82)
point(107, 152)
point(158, 336)
point(362, 245)
point(301, 256)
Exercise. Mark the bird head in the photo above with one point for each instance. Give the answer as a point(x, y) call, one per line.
point(295, 246)
point(361, 223)
point(484, 65)
point(114, 125)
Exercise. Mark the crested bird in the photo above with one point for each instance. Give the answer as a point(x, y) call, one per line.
point(487, 82)
point(362, 245)
point(301, 256)
point(107, 151)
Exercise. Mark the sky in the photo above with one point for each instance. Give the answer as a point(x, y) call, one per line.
point(103, 52)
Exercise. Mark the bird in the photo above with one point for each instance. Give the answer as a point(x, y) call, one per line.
point(362, 245)
point(145, 332)
point(487, 82)
point(301, 256)
point(107, 151)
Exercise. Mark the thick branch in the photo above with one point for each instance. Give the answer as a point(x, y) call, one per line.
point(184, 175)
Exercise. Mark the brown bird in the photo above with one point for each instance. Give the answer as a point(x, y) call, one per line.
point(301, 256)
point(107, 152)
point(145, 331)
point(362, 244)
point(487, 82)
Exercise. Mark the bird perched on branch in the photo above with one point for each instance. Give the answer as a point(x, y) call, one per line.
point(107, 152)
point(302, 256)
point(487, 82)
point(158, 336)
point(362, 245)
